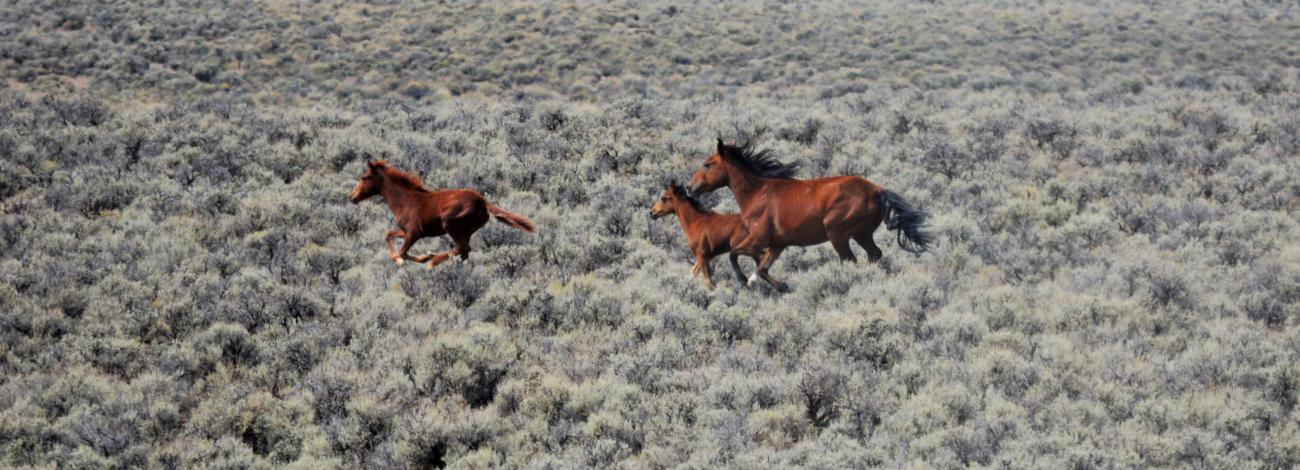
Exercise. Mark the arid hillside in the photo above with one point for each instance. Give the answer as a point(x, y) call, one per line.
point(1113, 189)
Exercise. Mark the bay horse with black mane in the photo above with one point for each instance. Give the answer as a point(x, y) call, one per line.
point(780, 211)
point(709, 234)
point(419, 212)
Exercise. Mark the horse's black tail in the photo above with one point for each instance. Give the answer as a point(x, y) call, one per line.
point(907, 220)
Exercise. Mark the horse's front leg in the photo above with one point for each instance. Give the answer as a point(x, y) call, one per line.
point(388, 240)
point(735, 265)
point(769, 257)
point(756, 240)
point(407, 243)
point(748, 245)
point(702, 268)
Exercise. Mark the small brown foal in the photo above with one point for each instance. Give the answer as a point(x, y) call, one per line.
point(709, 234)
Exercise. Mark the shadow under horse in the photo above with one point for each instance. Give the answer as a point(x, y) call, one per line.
point(780, 211)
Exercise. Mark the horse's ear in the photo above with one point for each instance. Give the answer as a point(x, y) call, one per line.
point(720, 144)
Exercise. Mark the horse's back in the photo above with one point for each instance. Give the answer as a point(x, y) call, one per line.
point(457, 194)
point(804, 210)
point(849, 185)
point(821, 194)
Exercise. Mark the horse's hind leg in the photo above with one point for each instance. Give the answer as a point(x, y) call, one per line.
point(421, 258)
point(841, 246)
point(461, 238)
point(437, 259)
point(839, 236)
point(865, 237)
point(461, 249)
point(839, 232)
point(865, 240)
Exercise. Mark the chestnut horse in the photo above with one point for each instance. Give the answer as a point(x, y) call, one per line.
point(709, 234)
point(780, 211)
point(419, 212)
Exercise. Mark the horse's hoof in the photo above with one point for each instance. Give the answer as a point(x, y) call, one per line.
point(400, 261)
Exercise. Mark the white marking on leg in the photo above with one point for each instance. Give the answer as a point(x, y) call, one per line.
point(752, 278)
point(401, 261)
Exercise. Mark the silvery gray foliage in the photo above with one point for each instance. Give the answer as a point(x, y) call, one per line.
point(183, 283)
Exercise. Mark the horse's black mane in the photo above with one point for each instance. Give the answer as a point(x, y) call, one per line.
point(681, 192)
point(759, 162)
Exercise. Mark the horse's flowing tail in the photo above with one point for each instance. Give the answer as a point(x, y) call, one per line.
point(907, 220)
point(514, 220)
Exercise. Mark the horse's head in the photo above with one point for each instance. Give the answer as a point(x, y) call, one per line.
point(369, 183)
point(712, 175)
point(667, 203)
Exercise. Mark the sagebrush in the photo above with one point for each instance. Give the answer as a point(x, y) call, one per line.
point(1115, 278)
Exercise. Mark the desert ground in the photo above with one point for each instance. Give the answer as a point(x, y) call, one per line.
point(1113, 189)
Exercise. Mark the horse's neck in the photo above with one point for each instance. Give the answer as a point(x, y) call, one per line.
point(744, 186)
point(397, 196)
point(686, 215)
point(690, 220)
